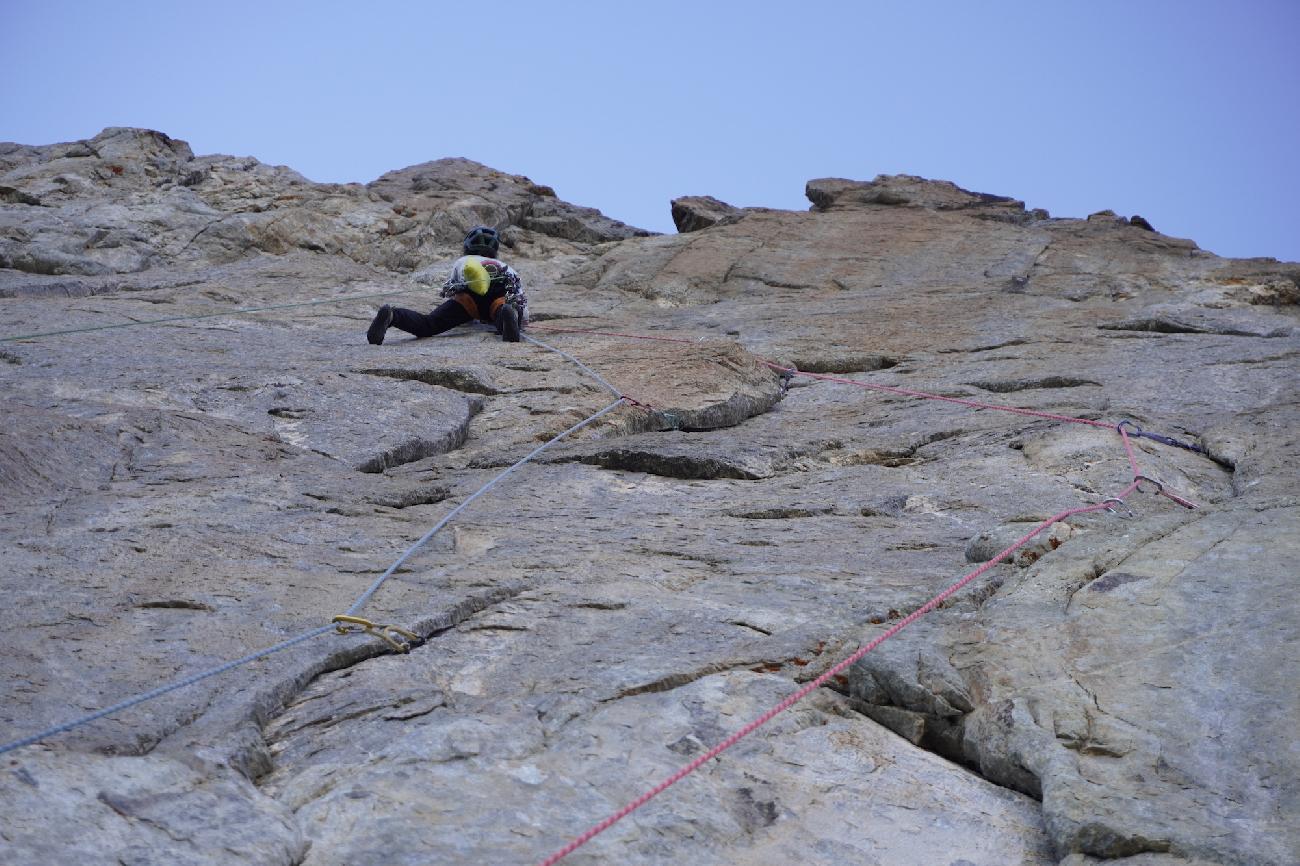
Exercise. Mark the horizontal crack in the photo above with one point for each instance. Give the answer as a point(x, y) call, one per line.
point(1008, 386)
point(465, 381)
point(1160, 325)
point(253, 758)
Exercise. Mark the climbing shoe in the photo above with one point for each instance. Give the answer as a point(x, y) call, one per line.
point(508, 323)
point(383, 318)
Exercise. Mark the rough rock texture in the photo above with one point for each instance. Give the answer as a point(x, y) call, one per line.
point(177, 494)
point(131, 200)
point(694, 212)
point(907, 190)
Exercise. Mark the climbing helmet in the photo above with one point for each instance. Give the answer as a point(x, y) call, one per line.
point(482, 241)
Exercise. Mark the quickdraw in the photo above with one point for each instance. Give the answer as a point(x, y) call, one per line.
point(396, 637)
point(1135, 430)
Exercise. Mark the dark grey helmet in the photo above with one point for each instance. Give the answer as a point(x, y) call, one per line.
point(482, 241)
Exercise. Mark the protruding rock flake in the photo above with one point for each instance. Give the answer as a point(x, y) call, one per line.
point(201, 456)
point(695, 212)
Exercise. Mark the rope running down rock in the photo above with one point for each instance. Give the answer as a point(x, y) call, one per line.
point(357, 605)
point(820, 681)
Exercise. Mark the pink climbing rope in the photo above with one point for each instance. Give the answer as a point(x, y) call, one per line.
point(906, 392)
point(790, 701)
point(1128, 449)
point(1139, 477)
point(930, 605)
point(593, 333)
point(924, 395)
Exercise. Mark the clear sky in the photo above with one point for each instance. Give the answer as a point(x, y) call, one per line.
point(1184, 111)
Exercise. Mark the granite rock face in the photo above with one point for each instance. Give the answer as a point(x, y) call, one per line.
point(131, 200)
point(694, 212)
point(209, 458)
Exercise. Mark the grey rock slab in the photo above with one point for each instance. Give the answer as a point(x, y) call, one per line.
point(699, 386)
point(178, 493)
point(818, 783)
point(42, 452)
point(1115, 650)
point(370, 424)
point(150, 809)
point(1147, 683)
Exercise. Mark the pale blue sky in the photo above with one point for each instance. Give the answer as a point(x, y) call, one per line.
point(1184, 111)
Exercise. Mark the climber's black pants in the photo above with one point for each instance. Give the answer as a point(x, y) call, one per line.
point(449, 314)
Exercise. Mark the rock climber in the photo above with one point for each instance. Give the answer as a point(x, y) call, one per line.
point(480, 287)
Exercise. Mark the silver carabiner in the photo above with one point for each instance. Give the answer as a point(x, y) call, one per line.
point(1127, 514)
point(1138, 479)
point(1119, 428)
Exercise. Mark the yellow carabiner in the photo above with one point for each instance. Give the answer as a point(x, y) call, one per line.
point(396, 637)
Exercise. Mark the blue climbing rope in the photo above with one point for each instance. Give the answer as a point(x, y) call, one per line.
point(357, 605)
point(379, 581)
